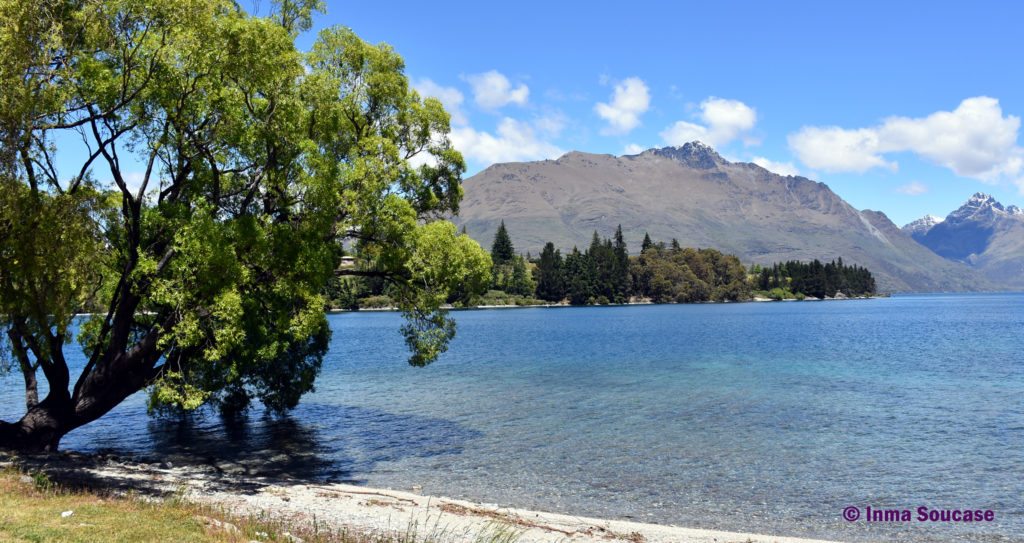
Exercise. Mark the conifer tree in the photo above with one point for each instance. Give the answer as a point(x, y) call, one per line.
point(579, 277)
point(622, 279)
point(502, 250)
point(647, 244)
point(550, 275)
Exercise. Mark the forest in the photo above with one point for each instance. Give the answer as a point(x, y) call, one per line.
point(605, 273)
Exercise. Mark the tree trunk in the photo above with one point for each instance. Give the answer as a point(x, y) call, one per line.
point(100, 388)
point(40, 430)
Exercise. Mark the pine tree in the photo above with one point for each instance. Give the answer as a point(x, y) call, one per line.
point(647, 244)
point(622, 279)
point(502, 250)
point(595, 243)
point(550, 274)
point(579, 277)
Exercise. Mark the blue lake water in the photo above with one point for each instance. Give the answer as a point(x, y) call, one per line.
point(765, 417)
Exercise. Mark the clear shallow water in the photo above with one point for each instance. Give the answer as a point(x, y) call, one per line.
point(757, 417)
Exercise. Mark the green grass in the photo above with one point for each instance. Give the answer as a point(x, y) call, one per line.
point(30, 511)
point(31, 508)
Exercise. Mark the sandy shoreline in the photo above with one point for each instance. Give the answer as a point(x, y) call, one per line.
point(357, 508)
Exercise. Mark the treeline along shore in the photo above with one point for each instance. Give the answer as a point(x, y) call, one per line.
point(605, 273)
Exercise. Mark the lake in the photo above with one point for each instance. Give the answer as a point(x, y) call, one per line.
point(763, 417)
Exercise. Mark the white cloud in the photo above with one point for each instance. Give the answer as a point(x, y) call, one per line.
point(515, 141)
point(781, 168)
point(451, 97)
point(683, 132)
point(551, 124)
point(633, 149)
point(1020, 185)
point(630, 99)
point(492, 90)
point(914, 188)
point(974, 140)
point(133, 180)
point(835, 149)
point(723, 121)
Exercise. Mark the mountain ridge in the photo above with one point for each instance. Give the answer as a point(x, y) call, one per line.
point(692, 194)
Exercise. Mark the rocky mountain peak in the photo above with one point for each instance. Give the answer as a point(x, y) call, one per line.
point(921, 226)
point(980, 207)
point(694, 154)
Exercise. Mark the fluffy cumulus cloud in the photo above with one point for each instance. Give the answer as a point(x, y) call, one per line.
point(451, 97)
point(913, 188)
point(630, 99)
point(721, 121)
point(974, 140)
point(835, 149)
point(492, 90)
point(513, 141)
point(781, 168)
point(633, 149)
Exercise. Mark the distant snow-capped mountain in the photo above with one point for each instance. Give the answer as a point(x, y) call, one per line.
point(920, 227)
point(981, 233)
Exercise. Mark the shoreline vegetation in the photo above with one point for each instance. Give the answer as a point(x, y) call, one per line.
point(76, 497)
point(757, 298)
point(606, 274)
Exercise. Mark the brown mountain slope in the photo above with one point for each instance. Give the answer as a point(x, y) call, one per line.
point(693, 194)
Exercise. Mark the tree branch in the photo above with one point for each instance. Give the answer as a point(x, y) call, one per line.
point(28, 371)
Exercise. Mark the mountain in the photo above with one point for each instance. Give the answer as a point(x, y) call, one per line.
point(920, 227)
point(983, 234)
point(691, 193)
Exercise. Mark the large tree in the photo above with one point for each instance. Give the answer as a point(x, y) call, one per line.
point(550, 274)
point(209, 176)
point(502, 251)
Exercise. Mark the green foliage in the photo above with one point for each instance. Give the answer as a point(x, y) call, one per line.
point(521, 282)
point(42, 482)
point(502, 251)
point(51, 261)
point(376, 302)
point(550, 274)
point(514, 277)
point(816, 279)
point(441, 261)
point(208, 278)
point(688, 275)
point(173, 390)
point(343, 292)
point(605, 273)
point(501, 298)
point(580, 277)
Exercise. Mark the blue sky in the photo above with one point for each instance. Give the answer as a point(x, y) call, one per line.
point(908, 108)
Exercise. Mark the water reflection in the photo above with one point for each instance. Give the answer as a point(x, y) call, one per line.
point(318, 442)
